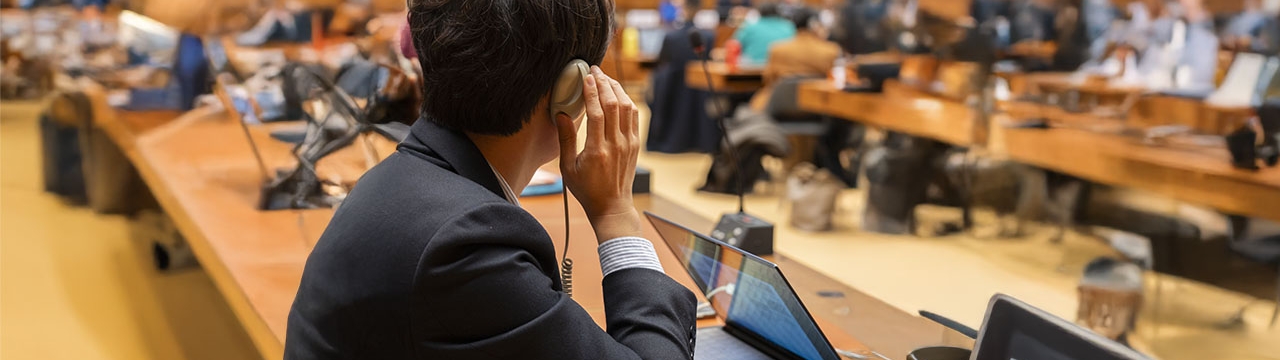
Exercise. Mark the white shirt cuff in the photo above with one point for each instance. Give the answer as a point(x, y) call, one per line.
point(628, 253)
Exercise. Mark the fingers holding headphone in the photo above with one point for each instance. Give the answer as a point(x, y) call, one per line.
point(609, 102)
point(603, 173)
point(628, 112)
point(595, 113)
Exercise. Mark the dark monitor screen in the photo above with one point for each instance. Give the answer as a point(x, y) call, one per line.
point(747, 292)
point(1014, 330)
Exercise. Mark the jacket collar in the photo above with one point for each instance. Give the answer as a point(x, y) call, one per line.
point(454, 150)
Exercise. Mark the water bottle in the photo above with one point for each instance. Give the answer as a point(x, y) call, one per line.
point(839, 73)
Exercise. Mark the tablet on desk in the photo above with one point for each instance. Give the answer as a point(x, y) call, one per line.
point(1014, 330)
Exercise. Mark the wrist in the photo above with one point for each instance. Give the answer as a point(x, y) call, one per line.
point(616, 224)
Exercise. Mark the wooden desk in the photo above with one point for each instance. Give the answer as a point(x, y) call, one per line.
point(743, 80)
point(1060, 81)
point(204, 175)
point(897, 110)
point(1200, 176)
point(1147, 112)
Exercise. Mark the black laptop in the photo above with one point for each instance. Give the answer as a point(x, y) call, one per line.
point(764, 318)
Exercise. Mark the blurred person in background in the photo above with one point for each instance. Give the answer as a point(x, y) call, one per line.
point(809, 55)
point(1199, 57)
point(1256, 29)
point(757, 37)
point(1082, 25)
point(861, 27)
point(805, 55)
point(678, 120)
point(726, 7)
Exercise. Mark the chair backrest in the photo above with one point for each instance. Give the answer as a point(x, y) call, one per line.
point(783, 102)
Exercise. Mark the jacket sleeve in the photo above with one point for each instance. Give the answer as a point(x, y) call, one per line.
point(485, 290)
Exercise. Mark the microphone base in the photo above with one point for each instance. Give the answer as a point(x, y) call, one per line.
point(747, 232)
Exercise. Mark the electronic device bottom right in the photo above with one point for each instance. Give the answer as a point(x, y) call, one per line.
point(1014, 330)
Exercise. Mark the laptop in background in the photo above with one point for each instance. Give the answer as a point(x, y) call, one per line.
point(1013, 330)
point(763, 316)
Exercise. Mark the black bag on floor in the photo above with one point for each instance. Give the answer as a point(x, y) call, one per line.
point(60, 160)
point(100, 174)
point(112, 183)
point(752, 135)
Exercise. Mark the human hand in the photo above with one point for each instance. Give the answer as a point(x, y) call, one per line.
point(601, 176)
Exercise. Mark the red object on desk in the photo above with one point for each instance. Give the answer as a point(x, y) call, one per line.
point(732, 52)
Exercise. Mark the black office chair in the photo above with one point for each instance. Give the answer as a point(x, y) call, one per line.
point(803, 128)
point(784, 107)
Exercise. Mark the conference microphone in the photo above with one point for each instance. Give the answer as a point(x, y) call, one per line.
point(749, 233)
point(950, 324)
point(695, 39)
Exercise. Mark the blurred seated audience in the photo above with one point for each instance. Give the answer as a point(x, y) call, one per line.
point(809, 56)
point(1255, 29)
point(726, 7)
point(1173, 44)
point(679, 121)
point(1082, 26)
point(805, 55)
point(757, 37)
point(1187, 63)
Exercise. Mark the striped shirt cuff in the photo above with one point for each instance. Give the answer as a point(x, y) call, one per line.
point(628, 253)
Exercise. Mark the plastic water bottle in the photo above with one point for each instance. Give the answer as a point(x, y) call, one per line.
point(839, 73)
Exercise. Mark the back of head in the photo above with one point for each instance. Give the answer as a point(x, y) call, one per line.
point(803, 17)
point(689, 9)
point(486, 64)
point(768, 9)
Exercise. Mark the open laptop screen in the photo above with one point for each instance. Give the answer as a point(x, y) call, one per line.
point(1014, 330)
point(749, 293)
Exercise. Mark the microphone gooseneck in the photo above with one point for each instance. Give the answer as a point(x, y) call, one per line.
point(699, 50)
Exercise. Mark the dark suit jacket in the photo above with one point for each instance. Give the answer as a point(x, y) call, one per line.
point(427, 260)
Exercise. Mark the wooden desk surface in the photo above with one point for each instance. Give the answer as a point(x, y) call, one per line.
point(1150, 111)
point(935, 118)
point(203, 173)
point(1058, 81)
point(1201, 176)
point(742, 80)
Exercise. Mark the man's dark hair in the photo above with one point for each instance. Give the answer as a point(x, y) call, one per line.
point(803, 17)
point(487, 63)
point(767, 9)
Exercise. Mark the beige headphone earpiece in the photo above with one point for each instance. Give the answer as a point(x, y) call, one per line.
point(566, 96)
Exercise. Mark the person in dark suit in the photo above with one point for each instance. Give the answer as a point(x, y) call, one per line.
point(679, 121)
point(431, 256)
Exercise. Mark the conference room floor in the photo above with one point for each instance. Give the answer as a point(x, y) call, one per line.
point(74, 285)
